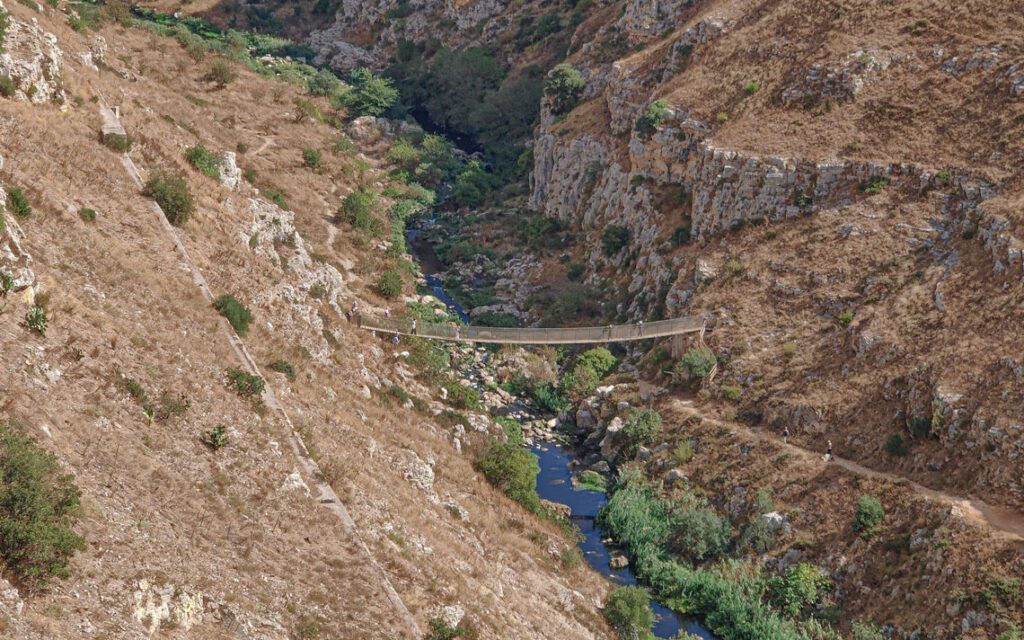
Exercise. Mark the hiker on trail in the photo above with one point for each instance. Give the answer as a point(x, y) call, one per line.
point(828, 452)
point(395, 339)
point(387, 312)
point(458, 331)
point(413, 332)
point(785, 435)
point(640, 328)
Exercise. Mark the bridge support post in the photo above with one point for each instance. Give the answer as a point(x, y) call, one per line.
point(677, 347)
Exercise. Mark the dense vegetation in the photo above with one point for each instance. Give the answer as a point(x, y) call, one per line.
point(729, 595)
point(39, 506)
point(172, 194)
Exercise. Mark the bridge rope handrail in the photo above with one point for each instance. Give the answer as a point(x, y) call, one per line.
point(533, 335)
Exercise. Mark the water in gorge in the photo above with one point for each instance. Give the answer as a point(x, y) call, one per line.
point(554, 482)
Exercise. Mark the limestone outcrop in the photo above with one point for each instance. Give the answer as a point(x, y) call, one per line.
point(31, 58)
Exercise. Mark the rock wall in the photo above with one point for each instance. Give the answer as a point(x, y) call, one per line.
point(14, 261)
point(30, 57)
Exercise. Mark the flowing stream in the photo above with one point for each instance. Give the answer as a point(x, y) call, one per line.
point(554, 482)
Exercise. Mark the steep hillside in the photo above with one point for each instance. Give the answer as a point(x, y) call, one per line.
point(132, 375)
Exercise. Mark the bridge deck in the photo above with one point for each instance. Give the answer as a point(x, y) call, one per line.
point(502, 335)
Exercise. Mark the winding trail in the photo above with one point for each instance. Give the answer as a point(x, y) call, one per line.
point(324, 493)
point(1004, 521)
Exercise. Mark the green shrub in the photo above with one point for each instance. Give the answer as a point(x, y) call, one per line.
point(172, 195)
point(513, 430)
point(359, 208)
point(280, 366)
point(896, 446)
point(591, 481)
point(390, 283)
point(846, 317)
point(731, 393)
point(513, 470)
point(18, 203)
point(7, 86)
point(122, 143)
point(722, 117)
point(869, 515)
point(370, 94)
point(699, 534)
point(6, 284)
point(648, 123)
point(628, 611)
point(39, 507)
point(221, 73)
point(439, 630)
point(874, 185)
point(683, 452)
point(750, 88)
point(36, 320)
point(640, 428)
point(5, 23)
point(587, 373)
point(613, 239)
point(800, 588)
point(757, 536)
point(681, 236)
point(237, 313)
point(472, 185)
point(461, 396)
point(216, 438)
point(324, 83)
point(697, 363)
point(245, 384)
point(312, 158)
point(734, 267)
point(204, 161)
point(576, 271)
point(275, 196)
point(89, 215)
point(547, 397)
point(563, 87)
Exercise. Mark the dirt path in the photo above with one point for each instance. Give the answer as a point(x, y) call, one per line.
point(324, 493)
point(1003, 520)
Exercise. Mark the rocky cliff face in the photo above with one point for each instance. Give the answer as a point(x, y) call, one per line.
point(31, 59)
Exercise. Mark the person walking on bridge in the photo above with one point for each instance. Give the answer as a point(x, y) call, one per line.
point(413, 332)
point(640, 328)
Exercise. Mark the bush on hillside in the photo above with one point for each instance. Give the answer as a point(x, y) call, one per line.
point(18, 203)
point(513, 470)
point(390, 283)
point(757, 536)
point(237, 313)
point(204, 161)
point(640, 428)
point(172, 194)
point(324, 83)
point(312, 158)
point(628, 611)
point(36, 320)
point(222, 73)
point(121, 143)
point(590, 368)
point(370, 94)
point(283, 367)
point(613, 239)
point(800, 588)
point(696, 363)
point(461, 396)
point(7, 87)
point(39, 507)
point(246, 385)
point(472, 185)
point(359, 210)
point(869, 515)
point(896, 446)
point(563, 87)
point(648, 123)
point(439, 630)
point(699, 534)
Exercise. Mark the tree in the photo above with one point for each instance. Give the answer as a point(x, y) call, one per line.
point(870, 514)
point(38, 508)
point(324, 83)
point(628, 611)
point(471, 185)
point(696, 363)
point(370, 94)
point(513, 470)
point(389, 284)
point(588, 371)
point(358, 210)
point(563, 87)
point(640, 428)
point(699, 534)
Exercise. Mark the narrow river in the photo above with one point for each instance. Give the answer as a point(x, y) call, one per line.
point(554, 482)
